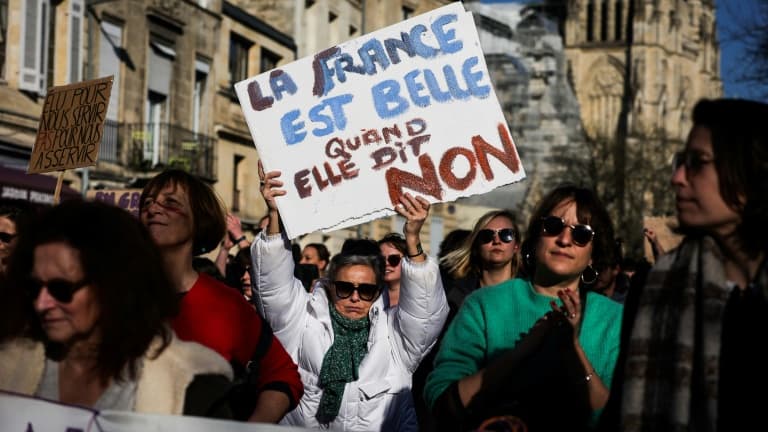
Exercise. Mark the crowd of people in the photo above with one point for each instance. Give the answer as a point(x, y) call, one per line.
point(538, 326)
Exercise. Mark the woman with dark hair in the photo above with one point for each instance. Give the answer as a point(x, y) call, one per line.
point(702, 315)
point(569, 232)
point(355, 357)
point(489, 255)
point(185, 218)
point(317, 254)
point(90, 319)
point(15, 214)
point(393, 248)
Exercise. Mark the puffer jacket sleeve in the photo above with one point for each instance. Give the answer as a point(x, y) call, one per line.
point(421, 312)
point(279, 297)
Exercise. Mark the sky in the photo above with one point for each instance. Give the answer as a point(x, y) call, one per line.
point(731, 54)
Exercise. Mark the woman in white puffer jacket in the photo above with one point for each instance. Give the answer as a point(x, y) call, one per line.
point(355, 358)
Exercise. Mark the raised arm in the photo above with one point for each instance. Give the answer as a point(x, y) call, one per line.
point(422, 308)
point(279, 297)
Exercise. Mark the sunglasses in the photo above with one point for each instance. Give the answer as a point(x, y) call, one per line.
point(6, 237)
point(366, 291)
point(691, 160)
point(61, 290)
point(393, 260)
point(506, 235)
point(581, 234)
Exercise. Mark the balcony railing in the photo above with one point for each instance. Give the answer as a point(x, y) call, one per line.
point(154, 146)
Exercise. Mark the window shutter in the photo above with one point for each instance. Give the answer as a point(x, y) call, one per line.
point(75, 41)
point(30, 46)
point(110, 40)
point(160, 67)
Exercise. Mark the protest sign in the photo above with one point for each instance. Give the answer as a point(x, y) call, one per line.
point(127, 199)
point(21, 413)
point(27, 414)
point(71, 126)
point(409, 108)
point(663, 228)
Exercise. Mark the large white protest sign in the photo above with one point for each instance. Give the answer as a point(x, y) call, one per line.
point(409, 108)
point(25, 414)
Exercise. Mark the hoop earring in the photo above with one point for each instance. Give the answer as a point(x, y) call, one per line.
point(528, 259)
point(591, 275)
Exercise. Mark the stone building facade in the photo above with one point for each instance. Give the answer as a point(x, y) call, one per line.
point(673, 62)
point(526, 59)
point(172, 102)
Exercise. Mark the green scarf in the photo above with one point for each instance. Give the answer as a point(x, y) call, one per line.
point(341, 362)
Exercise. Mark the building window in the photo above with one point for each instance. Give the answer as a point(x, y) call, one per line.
point(332, 17)
point(269, 60)
point(110, 44)
point(352, 30)
point(236, 183)
point(75, 52)
point(201, 77)
point(590, 21)
point(157, 114)
point(619, 21)
point(604, 21)
point(34, 46)
point(238, 58)
point(407, 12)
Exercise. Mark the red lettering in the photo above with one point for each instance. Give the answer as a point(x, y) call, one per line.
point(301, 182)
point(427, 184)
point(508, 156)
point(446, 165)
point(258, 101)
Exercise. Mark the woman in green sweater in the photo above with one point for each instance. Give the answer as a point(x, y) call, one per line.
point(569, 234)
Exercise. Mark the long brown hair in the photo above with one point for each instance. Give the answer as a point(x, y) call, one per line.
point(126, 274)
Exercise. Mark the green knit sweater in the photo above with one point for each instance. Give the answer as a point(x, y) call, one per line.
point(492, 319)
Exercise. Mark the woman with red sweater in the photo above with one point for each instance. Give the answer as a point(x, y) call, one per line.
point(185, 218)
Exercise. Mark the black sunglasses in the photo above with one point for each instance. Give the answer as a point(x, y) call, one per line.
point(506, 235)
point(61, 290)
point(366, 291)
point(692, 161)
point(581, 234)
point(6, 237)
point(393, 260)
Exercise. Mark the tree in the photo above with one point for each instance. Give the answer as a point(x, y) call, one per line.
point(745, 31)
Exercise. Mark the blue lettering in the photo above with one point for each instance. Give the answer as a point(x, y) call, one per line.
point(371, 53)
point(438, 94)
point(446, 38)
point(316, 116)
point(336, 121)
point(385, 94)
point(421, 49)
point(414, 88)
point(453, 83)
point(281, 82)
point(337, 109)
point(403, 44)
point(472, 78)
point(345, 64)
point(293, 132)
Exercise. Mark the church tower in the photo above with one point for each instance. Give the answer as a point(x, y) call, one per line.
point(672, 51)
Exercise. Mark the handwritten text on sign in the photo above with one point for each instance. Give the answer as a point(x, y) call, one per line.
point(71, 126)
point(410, 107)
